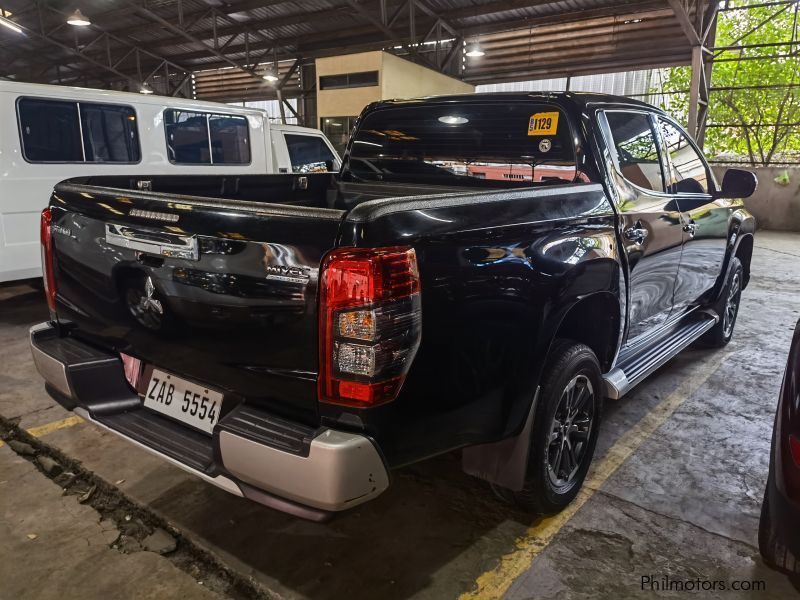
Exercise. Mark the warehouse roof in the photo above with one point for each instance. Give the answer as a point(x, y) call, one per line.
point(164, 41)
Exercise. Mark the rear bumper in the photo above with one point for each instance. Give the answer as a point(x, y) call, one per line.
point(284, 465)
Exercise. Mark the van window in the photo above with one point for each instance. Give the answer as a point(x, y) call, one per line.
point(109, 133)
point(308, 153)
point(199, 138)
point(51, 131)
point(187, 137)
point(634, 143)
point(230, 143)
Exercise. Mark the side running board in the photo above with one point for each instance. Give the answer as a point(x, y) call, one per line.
point(637, 362)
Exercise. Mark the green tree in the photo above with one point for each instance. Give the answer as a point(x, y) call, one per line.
point(758, 49)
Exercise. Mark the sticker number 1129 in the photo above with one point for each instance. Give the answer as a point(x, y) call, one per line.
point(543, 123)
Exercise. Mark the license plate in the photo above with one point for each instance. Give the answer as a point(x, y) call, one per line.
point(183, 400)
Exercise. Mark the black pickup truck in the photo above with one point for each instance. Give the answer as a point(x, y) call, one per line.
point(481, 274)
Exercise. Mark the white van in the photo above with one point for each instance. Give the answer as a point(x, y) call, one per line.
point(51, 133)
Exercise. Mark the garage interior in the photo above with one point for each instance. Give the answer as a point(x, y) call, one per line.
point(678, 477)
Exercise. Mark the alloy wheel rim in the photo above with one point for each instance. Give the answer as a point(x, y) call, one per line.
point(731, 306)
point(570, 431)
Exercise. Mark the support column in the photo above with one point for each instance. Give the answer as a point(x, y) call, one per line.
point(695, 90)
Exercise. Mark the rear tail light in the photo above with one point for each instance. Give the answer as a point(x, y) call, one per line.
point(133, 370)
point(370, 324)
point(48, 274)
point(794, 446)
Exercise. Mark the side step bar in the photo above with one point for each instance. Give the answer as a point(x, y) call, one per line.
point(637, 362)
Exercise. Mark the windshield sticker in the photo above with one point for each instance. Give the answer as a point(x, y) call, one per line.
point(545, 145)
point(543, 123)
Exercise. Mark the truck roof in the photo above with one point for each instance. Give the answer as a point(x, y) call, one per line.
point(573, 99)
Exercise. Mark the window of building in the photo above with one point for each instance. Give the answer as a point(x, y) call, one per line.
point(688, 172)
point(636, 151)
point(199, 138)
point(348, 80)
point(337, 130)
point(50, 131)
point(308, 153)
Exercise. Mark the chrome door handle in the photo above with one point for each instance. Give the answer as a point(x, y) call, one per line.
point(690, 228)
point(635, 234)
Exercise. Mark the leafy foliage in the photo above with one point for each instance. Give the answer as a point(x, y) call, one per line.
point(761, 122)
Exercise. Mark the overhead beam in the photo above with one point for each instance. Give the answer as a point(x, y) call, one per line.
point(155, 17)
point(681, 11)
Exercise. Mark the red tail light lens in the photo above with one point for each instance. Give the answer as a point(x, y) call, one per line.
point(794, 446)
point(370, 324)
point(48, 274)
point(133, 370)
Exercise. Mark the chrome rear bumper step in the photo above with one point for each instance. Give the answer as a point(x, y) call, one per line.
point(639, 361)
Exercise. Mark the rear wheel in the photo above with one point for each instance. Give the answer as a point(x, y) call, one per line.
point(565, 428)
point(727, 307)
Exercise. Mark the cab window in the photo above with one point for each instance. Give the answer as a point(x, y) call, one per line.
point(308, 153)
point(634, 150)
point(688, 172)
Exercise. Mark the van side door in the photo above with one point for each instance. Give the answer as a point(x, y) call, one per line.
point(704, 220)
point(651, 226)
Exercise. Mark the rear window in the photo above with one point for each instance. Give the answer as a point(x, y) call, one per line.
point(512, 145)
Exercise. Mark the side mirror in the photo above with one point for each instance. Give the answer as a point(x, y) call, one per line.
point(329, 166)
point(738, 183)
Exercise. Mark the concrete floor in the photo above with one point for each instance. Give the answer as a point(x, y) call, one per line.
point(675, 490)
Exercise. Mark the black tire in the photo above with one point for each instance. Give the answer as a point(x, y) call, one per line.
point(766, 545)
point(553, 480)
point(727, 307)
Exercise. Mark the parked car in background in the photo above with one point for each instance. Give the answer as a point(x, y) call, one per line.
point(50, 133)
point(293, 342)
point(779, 528)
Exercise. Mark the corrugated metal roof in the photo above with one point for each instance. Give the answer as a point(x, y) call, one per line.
point(588, 35)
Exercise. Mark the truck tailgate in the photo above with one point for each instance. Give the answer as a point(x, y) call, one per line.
point(222, 293)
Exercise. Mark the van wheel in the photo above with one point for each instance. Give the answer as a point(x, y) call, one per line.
point(727, 307)
point(565, 428)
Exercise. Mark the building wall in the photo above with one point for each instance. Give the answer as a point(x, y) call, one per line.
point(401, 78)
point(776, 203)
point(397, 78)
point(347, 102)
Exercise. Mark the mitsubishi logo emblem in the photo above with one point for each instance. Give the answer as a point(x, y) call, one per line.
point(148, 303)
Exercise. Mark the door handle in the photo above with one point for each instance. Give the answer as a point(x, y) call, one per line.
point(690, 228)
point(635, 234)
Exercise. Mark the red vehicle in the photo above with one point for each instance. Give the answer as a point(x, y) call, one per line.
point(778, 538)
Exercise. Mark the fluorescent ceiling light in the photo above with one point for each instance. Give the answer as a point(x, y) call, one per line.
point(145, 89)
point(271, 77)
point(78, 20)
point(475, 51)
point(10, 24)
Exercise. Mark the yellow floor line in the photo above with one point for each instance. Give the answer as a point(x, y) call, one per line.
point(495, 583)
point(51, 427)
point(55, 426)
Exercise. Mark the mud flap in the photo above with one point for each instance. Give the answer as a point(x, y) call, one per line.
point(503, 463)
